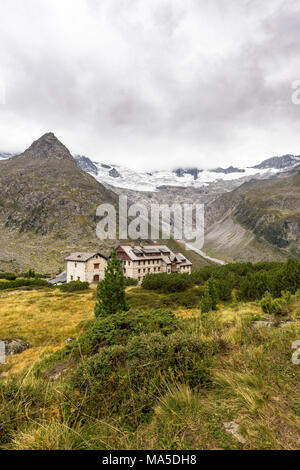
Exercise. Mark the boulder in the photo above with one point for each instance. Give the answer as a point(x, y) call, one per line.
point(15, 346)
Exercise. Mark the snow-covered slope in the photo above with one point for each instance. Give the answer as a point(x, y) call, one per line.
point(5, 155)
point(127, 178)
point(131, 179)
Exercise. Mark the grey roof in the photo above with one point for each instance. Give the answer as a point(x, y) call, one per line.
point(151, 252)
point(61, 278)
point(78, 256)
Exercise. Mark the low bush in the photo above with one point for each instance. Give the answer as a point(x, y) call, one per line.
point(30, 274)
point(24, 283)
point(74, 286)
point(224, 289)
point(129, 281)
point(166, 283)
point(280, 306)
point(210, 298)
point(8, 276)
point(114, 329)
point(126, 378)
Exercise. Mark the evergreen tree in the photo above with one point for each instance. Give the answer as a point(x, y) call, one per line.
point(111, 291)
point(213, 292)
point(206, 303)
point(210, 298)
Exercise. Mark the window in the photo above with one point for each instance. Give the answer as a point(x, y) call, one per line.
point(78, 279)
point(75, 265)
point(96, 266)
point(139, 271)
point(72, 278)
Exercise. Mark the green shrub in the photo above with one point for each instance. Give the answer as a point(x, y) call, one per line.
point(213, 293)
point(126, 379)
point(206, 302)
point(253, 286)
point(30, 274)
point(188, 299)
point(114, 330)
point(224, 289)
point(8, 276)
point(166, 283)
point(74, 286)
point(24, 283)
point(210, 298)
point(280, 306)
point(129, 281)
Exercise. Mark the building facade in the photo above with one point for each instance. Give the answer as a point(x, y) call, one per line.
point(86, 267)
point(139, 260)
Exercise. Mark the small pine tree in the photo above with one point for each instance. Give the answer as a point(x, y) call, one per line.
point(111, 291)
point(213, 292)
point(206, 303)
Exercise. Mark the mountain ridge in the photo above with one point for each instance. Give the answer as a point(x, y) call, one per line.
point(47, 205)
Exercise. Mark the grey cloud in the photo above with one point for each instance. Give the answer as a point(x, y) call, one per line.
point(152, 84)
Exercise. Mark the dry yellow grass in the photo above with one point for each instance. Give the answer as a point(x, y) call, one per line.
point(44, 319)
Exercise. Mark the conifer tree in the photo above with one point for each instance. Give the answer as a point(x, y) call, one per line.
point(111, 291)
point(210, 298)
point(213, 293)
point(206, 304)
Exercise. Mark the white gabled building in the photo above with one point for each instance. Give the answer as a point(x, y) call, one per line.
point(137, 262)
point(140, 260)
point(86, 267)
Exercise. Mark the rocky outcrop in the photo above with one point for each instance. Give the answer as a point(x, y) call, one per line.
point(85, 164)
point(227, 171)
point(15, 346)
point(279, 163)
point(114, 173)
point(180, 172)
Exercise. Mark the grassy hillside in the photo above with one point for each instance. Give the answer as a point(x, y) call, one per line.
point(162, 376)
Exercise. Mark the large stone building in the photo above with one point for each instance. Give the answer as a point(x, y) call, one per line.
point(139, 260)
point(86, 267)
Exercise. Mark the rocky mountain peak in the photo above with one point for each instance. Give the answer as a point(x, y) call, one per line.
point(47, 147)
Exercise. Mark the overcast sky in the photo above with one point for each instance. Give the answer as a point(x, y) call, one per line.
point(152, 83)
